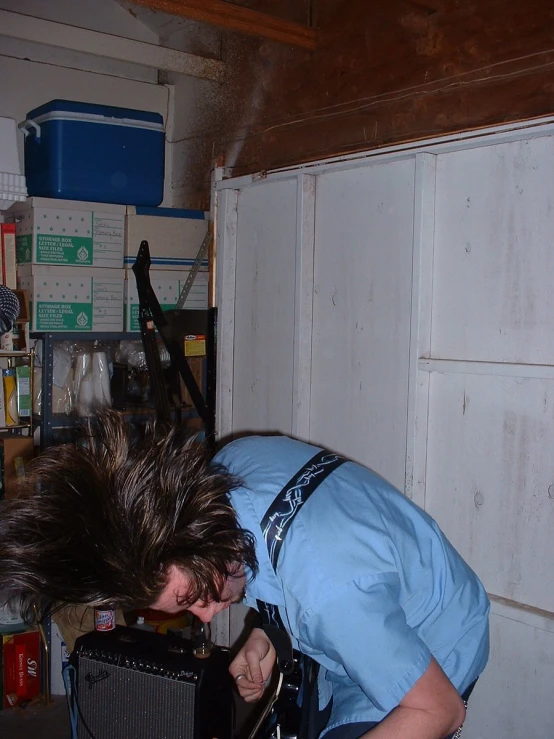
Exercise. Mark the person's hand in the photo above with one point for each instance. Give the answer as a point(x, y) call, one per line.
point(252, 667)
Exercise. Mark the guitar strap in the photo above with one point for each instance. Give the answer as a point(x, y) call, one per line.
point(292, 497)
point(275, 525)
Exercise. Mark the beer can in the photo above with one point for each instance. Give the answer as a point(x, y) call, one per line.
point(104, 619)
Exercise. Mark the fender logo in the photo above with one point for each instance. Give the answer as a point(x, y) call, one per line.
point(93, 679)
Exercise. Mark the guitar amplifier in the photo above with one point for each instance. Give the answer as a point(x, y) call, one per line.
point(134, 684)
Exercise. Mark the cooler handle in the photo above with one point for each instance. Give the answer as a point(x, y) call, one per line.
point(26, 125)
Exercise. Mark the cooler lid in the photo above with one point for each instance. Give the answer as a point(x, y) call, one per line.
point(84, 111)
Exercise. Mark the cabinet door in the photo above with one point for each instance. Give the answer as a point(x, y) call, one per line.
point(361, 313)
point(256, 282)
point(485, 467)
point(314, 321)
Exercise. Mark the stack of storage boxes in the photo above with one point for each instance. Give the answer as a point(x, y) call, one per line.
point(75, 259)
point(70, 260)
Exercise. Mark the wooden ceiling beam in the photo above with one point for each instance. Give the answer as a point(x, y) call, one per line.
point(429, 6)
point(236, 18)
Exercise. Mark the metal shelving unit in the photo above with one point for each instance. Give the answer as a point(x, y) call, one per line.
point(47, 421)
point(12, 355)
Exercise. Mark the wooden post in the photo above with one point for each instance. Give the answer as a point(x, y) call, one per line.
point(236, 18)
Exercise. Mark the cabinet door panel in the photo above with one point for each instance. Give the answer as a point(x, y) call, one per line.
point(361, 313)
point(264, 307)
point(493, 258)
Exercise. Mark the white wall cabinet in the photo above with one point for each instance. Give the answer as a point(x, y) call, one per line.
point(398, 308)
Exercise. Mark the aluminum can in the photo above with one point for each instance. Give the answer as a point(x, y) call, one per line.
point(104, 619)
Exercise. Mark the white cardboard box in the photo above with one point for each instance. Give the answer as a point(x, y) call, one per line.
point(59, 658)
point(69, 233)
point(167, 287)
point(174, 238)
point(74, 299)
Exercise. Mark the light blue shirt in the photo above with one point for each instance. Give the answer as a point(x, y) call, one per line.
point(367, 584)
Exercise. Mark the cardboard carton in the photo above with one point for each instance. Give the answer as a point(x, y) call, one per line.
point(59, 658)
point(167, 286)
point(69, 233)
point(174, 236)
point(73, 299)
point(21, 666)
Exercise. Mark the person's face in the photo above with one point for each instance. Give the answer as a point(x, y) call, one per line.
point(178, 585)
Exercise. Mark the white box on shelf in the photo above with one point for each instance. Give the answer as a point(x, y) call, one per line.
point(69, 233)
point(174, 236)
point(59, 658)
point(73, 299)
point(167, 287)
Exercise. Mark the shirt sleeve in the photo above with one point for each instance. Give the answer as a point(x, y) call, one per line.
point(362, 629)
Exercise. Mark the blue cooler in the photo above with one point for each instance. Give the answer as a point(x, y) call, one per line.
point(99, 153)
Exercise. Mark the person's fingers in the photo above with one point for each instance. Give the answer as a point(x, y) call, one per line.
point(254, 668)
point(251, 696)
point(239, 668)
point(248, 689)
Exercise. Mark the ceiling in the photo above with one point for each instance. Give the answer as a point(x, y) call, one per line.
point(163, 25)
point(287, 21)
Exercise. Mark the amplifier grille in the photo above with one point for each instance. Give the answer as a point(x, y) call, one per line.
point(119, 703)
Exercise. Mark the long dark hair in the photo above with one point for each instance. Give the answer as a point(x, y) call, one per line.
point(100, 523)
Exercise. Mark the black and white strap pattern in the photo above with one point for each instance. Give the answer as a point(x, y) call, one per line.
point(270, 615)
point(296, 492)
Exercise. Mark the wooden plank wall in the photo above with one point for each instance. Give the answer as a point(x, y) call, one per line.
point(387, 71)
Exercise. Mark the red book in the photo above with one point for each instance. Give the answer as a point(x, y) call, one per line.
point(2, 253)
point(9, 277)
point(21, 667)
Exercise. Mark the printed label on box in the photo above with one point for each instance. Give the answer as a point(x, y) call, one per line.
point(64, 250)
point(64, 316)
point(195, 345)
point(107, 302)
point(108, 231)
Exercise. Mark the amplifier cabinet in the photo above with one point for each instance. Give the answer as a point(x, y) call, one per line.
point(134, 684)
